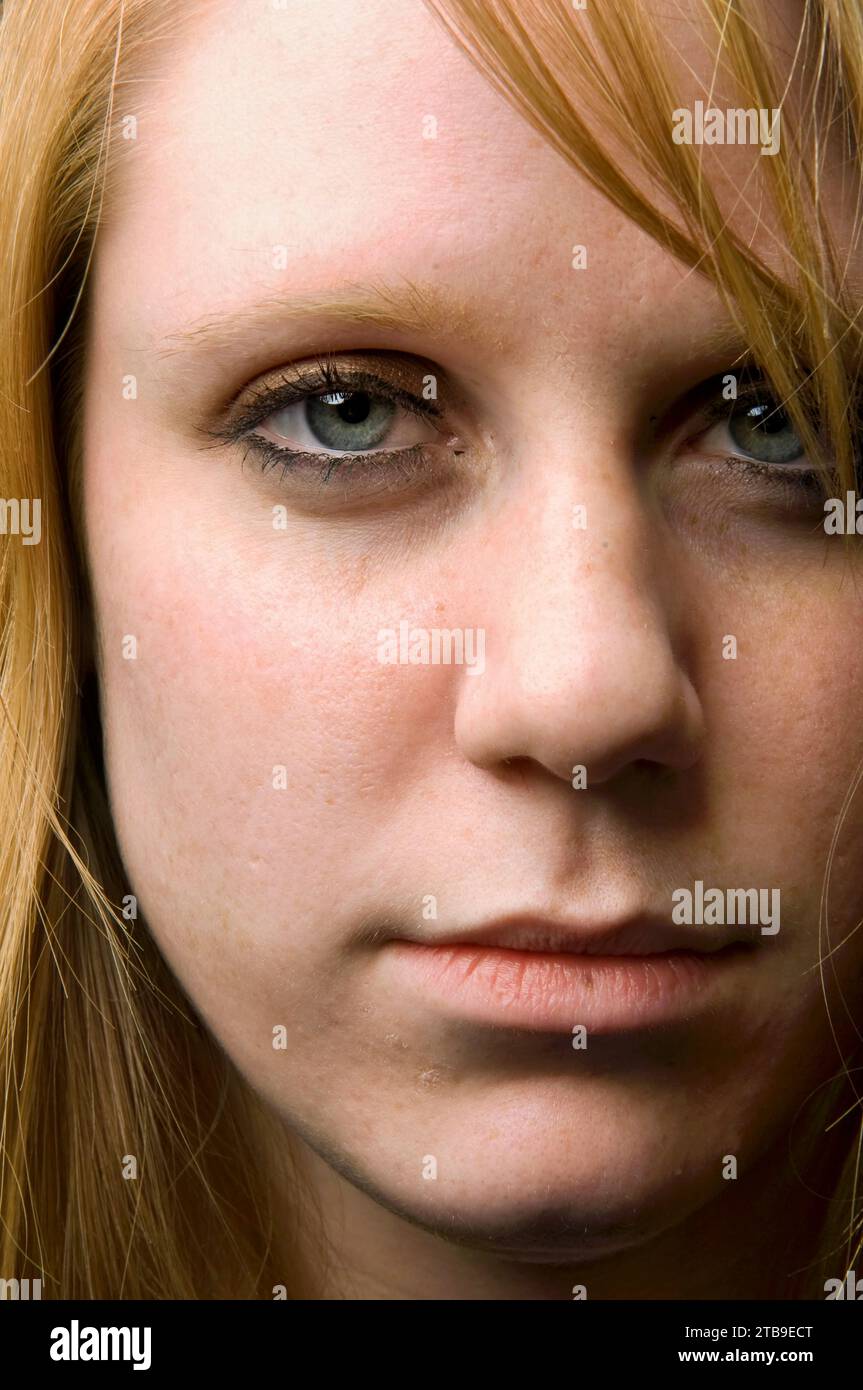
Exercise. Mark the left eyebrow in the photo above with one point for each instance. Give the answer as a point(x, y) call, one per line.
point(404, 307)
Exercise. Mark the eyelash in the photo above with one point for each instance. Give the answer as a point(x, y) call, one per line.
point(404, 464)
point(323, 378)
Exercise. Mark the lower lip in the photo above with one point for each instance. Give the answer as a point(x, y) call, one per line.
point(557, 991)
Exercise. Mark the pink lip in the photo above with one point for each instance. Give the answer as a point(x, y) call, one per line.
point(559, 989)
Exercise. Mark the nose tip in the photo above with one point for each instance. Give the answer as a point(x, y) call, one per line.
point(650, 716)
point(611, 695)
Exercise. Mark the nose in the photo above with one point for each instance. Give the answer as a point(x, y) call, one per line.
point(581, 668)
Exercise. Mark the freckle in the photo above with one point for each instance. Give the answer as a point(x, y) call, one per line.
point(439, 607)
point(329, 800)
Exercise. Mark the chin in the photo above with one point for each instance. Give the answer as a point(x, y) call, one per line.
point(532, 1201)
point(536, 1226)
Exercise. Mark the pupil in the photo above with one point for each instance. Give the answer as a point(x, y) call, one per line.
point(353, 406)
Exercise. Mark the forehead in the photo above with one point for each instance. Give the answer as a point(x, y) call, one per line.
point(336, 130)
point(307, 144)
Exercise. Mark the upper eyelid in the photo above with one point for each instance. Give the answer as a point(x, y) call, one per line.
point(750, 388)
point(706, 405)
point(717, 409)
point(307, 380)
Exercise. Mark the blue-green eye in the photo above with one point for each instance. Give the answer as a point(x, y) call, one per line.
point(376, 431)
point(336, 413)
point(763, 431)
point(344, 421)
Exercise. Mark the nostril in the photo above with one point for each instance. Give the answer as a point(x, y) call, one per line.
point(518, 766)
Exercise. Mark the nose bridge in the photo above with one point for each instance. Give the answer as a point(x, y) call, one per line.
point(587, 617)
point(581, 666)
point(585, 565)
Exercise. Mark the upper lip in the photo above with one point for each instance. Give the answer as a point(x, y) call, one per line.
point(636, 936)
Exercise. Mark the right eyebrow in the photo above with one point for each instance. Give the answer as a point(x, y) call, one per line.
point(402, 307)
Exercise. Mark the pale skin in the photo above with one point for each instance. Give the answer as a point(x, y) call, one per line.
point(256, 651)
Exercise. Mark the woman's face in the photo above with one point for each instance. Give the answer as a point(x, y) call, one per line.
point(308, 796)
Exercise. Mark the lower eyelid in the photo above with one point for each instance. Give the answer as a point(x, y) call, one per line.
point(381, 462)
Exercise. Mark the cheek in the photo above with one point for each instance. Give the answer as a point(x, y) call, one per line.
point(785, 742)
point(254, 742)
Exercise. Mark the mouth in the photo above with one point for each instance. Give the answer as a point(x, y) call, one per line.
point(540, 974)
point(642, 936)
